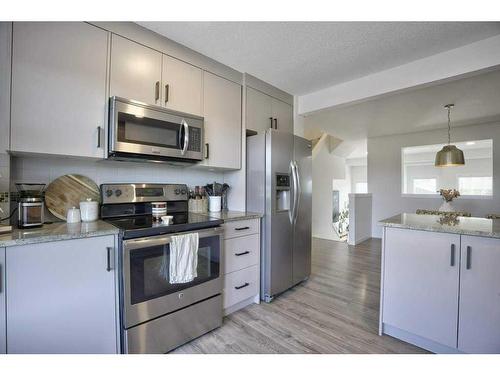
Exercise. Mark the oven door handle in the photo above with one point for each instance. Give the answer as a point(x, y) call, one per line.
point(143, 242)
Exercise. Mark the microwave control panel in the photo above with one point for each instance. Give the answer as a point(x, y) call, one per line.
point(194, 139)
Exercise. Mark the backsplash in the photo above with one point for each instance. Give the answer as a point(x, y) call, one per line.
point(29, 169)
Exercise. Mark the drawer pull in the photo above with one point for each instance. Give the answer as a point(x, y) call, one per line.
point(242, 228)
point(243, 253)
point(241, 286)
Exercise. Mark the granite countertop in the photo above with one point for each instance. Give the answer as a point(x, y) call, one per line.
point(474, 226)
point(56, 232)
point(234, 215)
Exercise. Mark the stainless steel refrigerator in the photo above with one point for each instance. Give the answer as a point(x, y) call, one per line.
point(279, 186)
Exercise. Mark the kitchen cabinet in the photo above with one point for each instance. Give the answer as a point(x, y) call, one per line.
point(222, 113)
point(182, 86)
point(58, 88)
point(282, 116)
point(135, 71)
point(3, 327)
point(421, 283)
point(241, 283)
point(62, 297)
point(264, 112)
point(259, 111)
point(479, 315)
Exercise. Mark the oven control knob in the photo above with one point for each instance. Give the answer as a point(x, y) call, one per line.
point(177, 191)
point(118, 192)
point(109, 193)
point(183, 191)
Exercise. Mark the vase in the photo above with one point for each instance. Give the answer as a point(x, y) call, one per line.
point(447, 207)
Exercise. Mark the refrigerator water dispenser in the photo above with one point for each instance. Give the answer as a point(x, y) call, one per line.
point(282, 192)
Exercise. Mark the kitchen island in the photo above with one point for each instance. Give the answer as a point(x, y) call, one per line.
point(440, 286)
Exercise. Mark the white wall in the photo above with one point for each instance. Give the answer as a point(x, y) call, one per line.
point(384, 173)
point(326, 168)
point(358, 174)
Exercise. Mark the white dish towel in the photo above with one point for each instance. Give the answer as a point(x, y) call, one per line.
point(183, 259)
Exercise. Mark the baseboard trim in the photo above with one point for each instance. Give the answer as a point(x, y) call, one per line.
point(240, 305)
point(419, 341)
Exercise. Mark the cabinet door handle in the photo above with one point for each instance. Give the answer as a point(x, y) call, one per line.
point(108, 259)
point(241, 286)
point(207, 150)
point(243, 253)
point(452, 255)
point(242, 228)
point(157, 90)
point(270, 118)
point(469, 256)
point(98, 137)
point(276, 123)
point(167, 90)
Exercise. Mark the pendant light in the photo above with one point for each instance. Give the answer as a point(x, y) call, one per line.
point(450, 155)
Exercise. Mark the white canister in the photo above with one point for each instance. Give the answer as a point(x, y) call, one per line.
point(158, 209)
point(73, 215)
point(89, 210)
point(214, 203)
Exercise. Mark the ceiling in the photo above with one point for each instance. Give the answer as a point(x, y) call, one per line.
point(476, 100)
point(302, 57)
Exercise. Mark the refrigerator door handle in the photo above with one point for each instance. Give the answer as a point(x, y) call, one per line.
point(297, 192)
point(291, 211)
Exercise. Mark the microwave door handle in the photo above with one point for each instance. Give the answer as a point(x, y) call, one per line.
point(186, 137)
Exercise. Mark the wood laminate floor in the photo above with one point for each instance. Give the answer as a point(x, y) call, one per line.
point(335, 311)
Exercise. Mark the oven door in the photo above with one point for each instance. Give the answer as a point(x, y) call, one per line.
point(143, 130)
point(149, 294)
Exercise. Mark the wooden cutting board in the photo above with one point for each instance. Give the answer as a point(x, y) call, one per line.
point(68, 191)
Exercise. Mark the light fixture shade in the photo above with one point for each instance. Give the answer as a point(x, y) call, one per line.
point(449, 156)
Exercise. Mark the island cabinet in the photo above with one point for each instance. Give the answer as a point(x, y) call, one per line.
point(479, 316)
point(3, 312)
point(58, 88)
point(420, 285)
point(441, 291)
point(222, 113)
point(62, 297)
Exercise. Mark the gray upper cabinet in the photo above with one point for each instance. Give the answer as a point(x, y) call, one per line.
point(62, 297)
point(479, 316)
point(135, 71)
point(264, 112)
point(3, 329)
point(181, 86)
point(259, 111)
point(58, 88)
point(222, 112)
point(282, 116)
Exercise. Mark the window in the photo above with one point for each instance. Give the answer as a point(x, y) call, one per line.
point(475, 185)
point(420, 176)
point(424, 186)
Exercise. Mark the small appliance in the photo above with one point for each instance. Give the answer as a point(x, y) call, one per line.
point(144, 132)
point(30, 205)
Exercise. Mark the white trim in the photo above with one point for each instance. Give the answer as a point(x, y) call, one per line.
point(436, 196)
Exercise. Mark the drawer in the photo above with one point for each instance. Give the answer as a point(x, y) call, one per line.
point(241, 252)
point(241, 285)
point(241, 228)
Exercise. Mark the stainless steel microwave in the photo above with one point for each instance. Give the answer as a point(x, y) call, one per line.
point(138, 131)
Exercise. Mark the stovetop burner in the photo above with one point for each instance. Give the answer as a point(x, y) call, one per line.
point(130, 209)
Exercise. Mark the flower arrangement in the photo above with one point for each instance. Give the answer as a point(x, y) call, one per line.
point(449, 194)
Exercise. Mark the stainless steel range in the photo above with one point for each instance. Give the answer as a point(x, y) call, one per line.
point(157, 315)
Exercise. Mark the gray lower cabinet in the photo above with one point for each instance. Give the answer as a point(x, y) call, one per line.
point(479, 315)
point(3, 330)
point(62, 297)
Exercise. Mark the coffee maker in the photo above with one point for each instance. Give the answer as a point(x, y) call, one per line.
point(30, 205)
